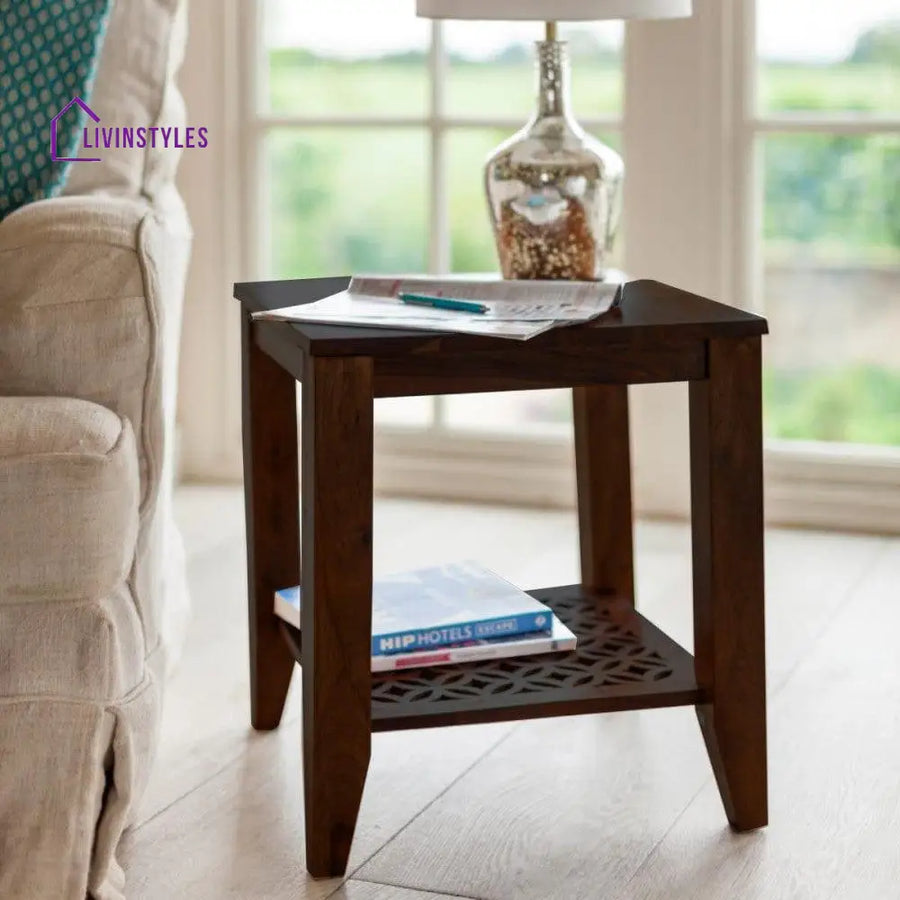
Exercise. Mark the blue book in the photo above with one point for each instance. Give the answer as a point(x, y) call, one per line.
point(439, 606)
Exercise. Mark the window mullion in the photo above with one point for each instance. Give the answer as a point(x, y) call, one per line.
point(439, 236)
point(746, 216)
point(801, 123)
point(254, 73)
point(439, 229)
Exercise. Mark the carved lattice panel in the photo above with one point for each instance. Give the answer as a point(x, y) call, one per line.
point(611, 651)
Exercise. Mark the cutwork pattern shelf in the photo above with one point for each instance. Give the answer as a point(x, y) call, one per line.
point(609, 653)
point(622, 661)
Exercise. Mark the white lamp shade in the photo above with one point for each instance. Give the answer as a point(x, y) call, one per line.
point(553, 10)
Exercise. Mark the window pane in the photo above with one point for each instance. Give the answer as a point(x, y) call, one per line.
point(491, 67)
point(471, 242)
point(395, 412)
point(346, 200)
point(405, 411)
point(832, 287)
point(832, 55)
point(317, 65)
point(521, 412)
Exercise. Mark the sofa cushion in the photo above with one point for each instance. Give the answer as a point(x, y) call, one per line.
point(76, 317)
point(135, 87)
point(48, 54)
point(68, 470)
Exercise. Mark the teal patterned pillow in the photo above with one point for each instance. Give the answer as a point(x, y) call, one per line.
point(48, 55)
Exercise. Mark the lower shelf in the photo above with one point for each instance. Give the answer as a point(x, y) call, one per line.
point(622, 661)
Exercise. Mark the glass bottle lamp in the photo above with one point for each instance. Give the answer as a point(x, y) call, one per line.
point(554, 192)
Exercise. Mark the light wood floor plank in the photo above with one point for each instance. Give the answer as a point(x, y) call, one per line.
point(564, 809)
point(561, 809)
point(369, 890)
point(241, 833)
point(835, 777)
point(571, 808)
point(205, 723)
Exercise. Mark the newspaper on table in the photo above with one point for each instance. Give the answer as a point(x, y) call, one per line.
point(517, 310)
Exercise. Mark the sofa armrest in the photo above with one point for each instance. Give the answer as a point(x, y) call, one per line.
point(92, 219)
point(81, 308)
point(91, 290)
point(69, 495)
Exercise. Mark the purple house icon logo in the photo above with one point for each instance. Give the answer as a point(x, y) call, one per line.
point(120, 137)
point(54, 125)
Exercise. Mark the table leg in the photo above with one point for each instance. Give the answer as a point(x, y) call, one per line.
point(603, 474)
point(729, 618)
point(273, 528)
point(336, 456)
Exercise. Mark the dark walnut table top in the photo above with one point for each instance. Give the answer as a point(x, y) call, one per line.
point(651, 314)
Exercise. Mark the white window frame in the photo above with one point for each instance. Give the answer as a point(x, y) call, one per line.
point(696, 81)
point(689, 129)
point(836, 485)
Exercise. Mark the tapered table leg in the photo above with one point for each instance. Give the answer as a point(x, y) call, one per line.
point(273, 529)
point(336, 614)
point(729, 621)
point(603, 474)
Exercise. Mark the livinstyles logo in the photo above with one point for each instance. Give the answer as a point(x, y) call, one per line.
point(98, 137)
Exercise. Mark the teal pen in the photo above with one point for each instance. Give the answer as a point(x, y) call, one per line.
point(444, 303)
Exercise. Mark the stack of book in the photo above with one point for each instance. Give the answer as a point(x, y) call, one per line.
point(460, 612)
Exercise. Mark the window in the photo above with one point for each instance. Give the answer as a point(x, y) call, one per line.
point(825, 130)
point(762, 141)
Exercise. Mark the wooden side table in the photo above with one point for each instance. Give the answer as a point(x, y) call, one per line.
point(623, 661)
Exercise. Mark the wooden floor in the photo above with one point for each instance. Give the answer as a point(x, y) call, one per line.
point(594, 807)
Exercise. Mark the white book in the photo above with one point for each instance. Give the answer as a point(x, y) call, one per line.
point(438, 606)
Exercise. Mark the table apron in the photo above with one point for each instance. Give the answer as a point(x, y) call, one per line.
point(638, 361)
point(626, 363)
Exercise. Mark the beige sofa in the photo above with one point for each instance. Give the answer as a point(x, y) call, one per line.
point(93, 597)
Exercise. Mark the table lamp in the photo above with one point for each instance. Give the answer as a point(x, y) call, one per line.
point(554, 192)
